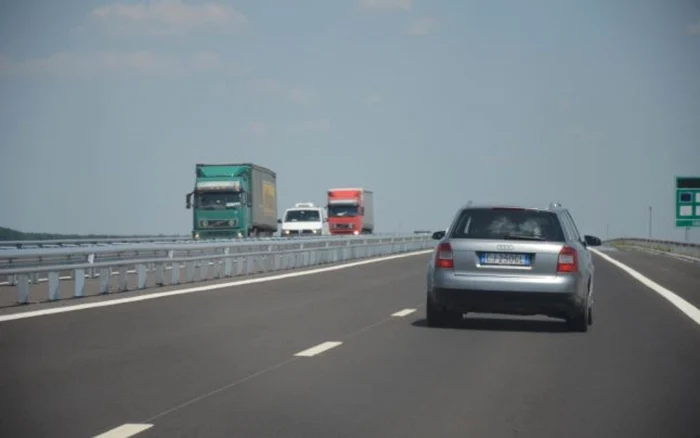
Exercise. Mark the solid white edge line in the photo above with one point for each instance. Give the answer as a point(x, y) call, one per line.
point(684, 306)
point(153, 296)
point(125, 431)
point(404, 312)
point(318, 349)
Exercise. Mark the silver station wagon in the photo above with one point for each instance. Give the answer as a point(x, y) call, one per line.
point(511, 260)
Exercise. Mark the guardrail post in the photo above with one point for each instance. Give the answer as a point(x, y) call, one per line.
point(22, 288)
point(79, 279)
point(228, 262)
point(123, 279)
point(54, 280)
point(189, 272)
point(176, 273)
point(91, 260)
point(203, 270)
point(217, 269)
point(105, 278)
point(142, 275)
point(160, 274)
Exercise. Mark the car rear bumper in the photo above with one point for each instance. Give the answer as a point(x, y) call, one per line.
point(558, 296)
point(517, 303)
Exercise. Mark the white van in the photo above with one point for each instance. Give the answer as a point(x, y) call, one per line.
point(304, 219)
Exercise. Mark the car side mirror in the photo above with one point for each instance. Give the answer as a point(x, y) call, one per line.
point(279, 221)
point(438, 235)
point(592, 241)
point(188, 201)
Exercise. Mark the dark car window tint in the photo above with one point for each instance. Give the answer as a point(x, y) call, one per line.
point(302, 216)
point(487, 223)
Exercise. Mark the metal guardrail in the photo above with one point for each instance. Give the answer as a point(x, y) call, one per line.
point(668, 246)
point(28, 257)
point(226, 260)
point(653, 242)
point(105, 241)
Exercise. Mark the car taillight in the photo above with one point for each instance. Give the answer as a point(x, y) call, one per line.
point(444, 259)
point(567, 261)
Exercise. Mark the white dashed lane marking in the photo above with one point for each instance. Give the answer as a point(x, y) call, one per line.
point(404, 312)
point(125, 431)
point(318, 349)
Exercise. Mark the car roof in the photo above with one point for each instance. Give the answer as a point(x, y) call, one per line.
point(551, 208)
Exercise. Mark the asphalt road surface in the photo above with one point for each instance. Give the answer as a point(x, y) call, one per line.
point(225, 363)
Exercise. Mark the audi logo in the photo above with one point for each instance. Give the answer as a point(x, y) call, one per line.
point(504, 247)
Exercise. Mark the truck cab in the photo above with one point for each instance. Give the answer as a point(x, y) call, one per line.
point(350, 211)
point(233, 201)
point(219, 209)
point(304, 218)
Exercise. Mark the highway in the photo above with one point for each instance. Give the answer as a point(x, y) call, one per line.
point(225, 363)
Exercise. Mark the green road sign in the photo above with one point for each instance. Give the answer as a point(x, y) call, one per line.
point(687, 201)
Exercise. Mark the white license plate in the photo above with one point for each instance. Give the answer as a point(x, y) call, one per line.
point(505, 259)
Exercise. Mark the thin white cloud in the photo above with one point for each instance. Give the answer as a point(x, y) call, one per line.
point(301, 95)
point(424, 26)
point(385, 5)
point(274, 87)
point(259, 129)
point(316, 125)
point(284, 129)
point(71, 64)
point(206, 61)
point(584, 135)
point(266, 85)
point(373, 99)
point(693, 29)
point(168, 17)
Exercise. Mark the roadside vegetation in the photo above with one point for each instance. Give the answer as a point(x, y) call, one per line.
point(10, 234)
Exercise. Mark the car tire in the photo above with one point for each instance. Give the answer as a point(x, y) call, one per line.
point(580, 321)
point(439, 317)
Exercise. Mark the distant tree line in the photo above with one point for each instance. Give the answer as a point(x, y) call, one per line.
point(10, 234)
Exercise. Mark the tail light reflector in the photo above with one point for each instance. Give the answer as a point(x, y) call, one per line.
point(443, 258)
point(568, 260)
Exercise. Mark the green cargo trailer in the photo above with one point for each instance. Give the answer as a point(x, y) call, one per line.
point(233, 200)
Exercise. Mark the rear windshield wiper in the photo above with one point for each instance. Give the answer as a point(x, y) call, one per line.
point(523, 237)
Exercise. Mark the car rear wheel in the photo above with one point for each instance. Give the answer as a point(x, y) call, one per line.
point(581, 320)
point(437, 317)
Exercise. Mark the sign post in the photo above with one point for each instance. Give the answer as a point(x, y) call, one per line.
point(687, 203)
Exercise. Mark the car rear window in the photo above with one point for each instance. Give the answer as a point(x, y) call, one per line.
point(507, 223)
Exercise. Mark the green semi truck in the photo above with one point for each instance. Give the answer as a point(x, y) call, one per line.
point(233, 200)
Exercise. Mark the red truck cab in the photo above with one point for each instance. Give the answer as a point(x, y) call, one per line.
point(350, 211)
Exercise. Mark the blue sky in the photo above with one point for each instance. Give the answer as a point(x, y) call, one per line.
point(106, 107)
